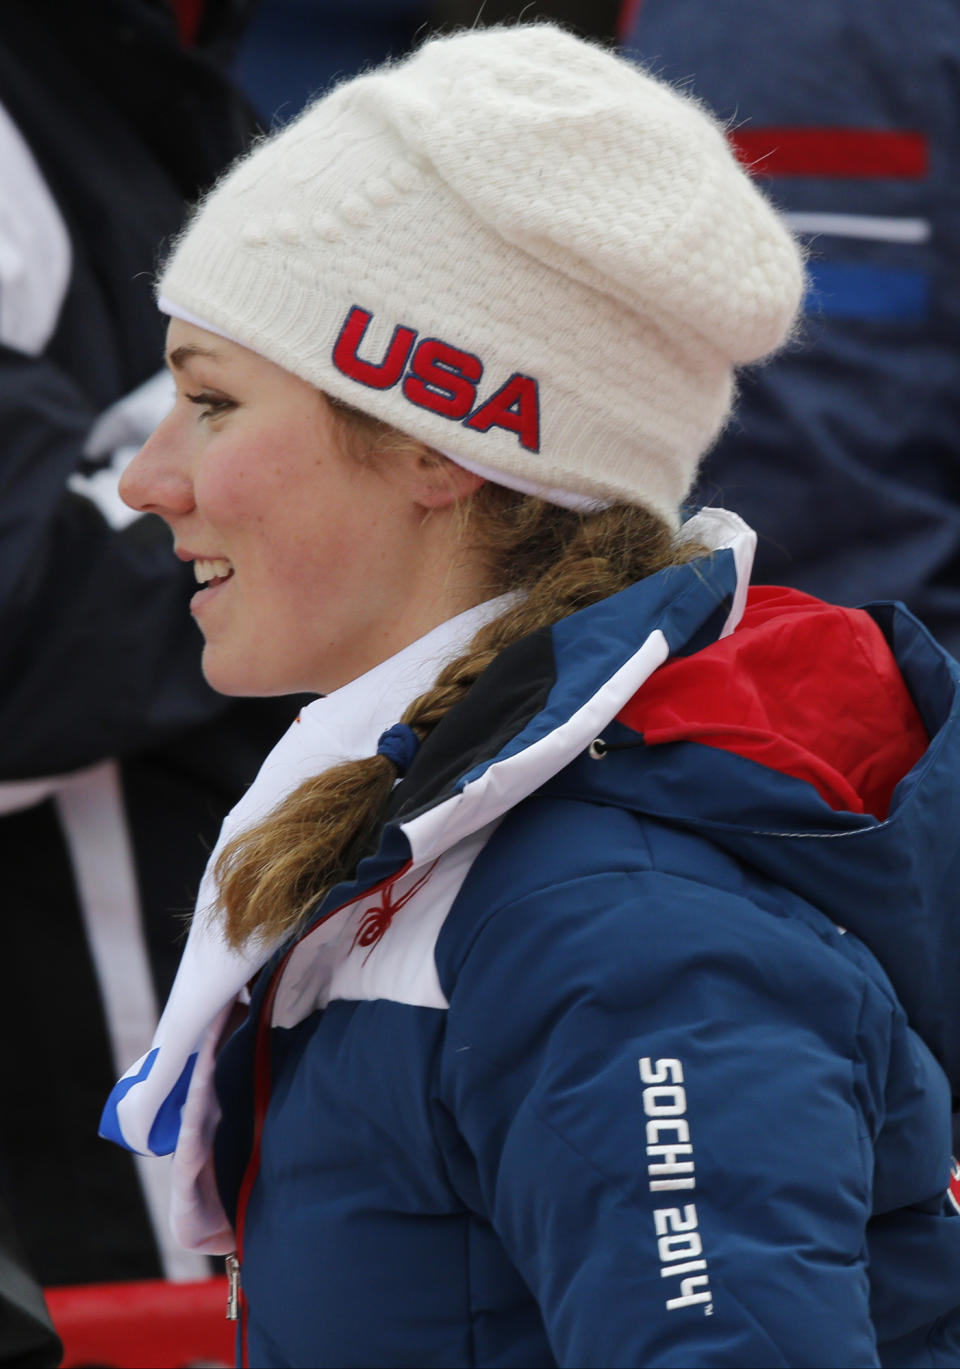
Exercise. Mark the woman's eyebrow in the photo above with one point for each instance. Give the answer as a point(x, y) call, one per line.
point(179, 357)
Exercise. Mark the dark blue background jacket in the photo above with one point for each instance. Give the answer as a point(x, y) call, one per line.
point(843, 453)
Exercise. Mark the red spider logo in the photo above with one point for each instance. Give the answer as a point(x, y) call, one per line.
point(376, 920)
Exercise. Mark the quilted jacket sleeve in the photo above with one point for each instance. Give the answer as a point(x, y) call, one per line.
point(670, 1096)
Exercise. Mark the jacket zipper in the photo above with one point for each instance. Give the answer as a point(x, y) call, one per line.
point(261, 1101)
point(233, 1287)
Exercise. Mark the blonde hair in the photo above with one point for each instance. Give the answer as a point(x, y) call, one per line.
point(271, 875)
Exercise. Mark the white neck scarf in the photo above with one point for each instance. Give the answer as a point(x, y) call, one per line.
point(345, 725)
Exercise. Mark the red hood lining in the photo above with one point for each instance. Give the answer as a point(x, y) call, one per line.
point(802, 687)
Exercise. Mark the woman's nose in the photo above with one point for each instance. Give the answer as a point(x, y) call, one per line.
point(156, 481)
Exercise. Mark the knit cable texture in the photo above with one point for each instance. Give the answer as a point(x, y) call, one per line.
point(557, 254)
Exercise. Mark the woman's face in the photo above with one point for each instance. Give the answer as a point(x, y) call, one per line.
point(321, 564)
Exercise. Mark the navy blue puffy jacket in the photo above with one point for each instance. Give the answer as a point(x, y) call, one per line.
point(633, 1053)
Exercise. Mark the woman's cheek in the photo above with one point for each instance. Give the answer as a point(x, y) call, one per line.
point(231, 496)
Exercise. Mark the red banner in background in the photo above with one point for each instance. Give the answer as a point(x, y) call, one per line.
point(144, 1325)
point(853, 152)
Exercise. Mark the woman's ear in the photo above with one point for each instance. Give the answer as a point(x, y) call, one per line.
point(437, 482)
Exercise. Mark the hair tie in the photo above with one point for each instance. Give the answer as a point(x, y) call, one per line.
point(399, 744)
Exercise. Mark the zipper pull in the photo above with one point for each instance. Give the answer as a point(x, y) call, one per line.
point(233, 1287)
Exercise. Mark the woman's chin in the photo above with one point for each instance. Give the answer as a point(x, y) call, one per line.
point(241, 677)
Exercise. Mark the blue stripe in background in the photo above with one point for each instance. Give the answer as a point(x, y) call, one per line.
point(846, 290)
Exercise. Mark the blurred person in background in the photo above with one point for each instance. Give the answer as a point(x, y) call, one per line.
point(117, 761)
point(591, 18)
point(849, 114)
point(293, 50)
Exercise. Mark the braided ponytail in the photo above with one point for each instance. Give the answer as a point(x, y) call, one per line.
point(271, 875)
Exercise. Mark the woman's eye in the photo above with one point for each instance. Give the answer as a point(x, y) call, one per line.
point(213, 406)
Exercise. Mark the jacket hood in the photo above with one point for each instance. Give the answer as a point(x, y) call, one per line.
point(845, 793)
point(802, 687)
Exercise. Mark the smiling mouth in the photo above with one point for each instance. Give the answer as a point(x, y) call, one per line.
point(212, 572)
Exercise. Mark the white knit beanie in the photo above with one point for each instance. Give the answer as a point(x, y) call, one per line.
point(513, 245)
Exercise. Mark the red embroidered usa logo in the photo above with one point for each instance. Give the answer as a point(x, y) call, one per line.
point(441, 378)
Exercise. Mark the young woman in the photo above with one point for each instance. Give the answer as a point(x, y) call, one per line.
point(576, 982)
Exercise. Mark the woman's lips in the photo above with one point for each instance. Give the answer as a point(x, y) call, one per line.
point(210, 591)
